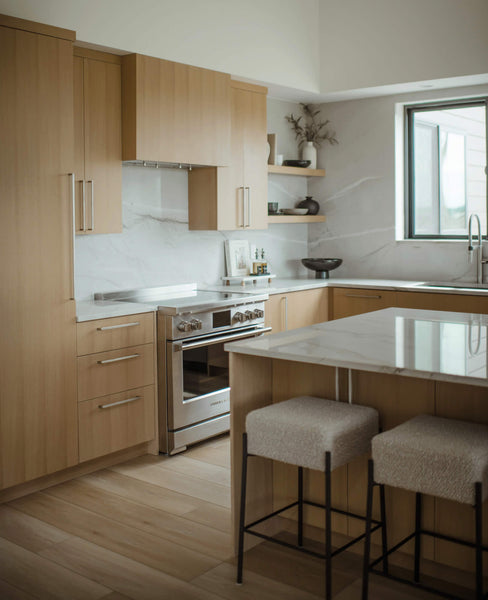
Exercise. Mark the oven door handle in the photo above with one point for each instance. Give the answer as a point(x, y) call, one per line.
point(178, 346)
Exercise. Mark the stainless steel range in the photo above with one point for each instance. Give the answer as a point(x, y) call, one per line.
point(193, 368)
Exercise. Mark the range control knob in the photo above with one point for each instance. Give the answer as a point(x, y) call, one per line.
point(195, 324)
point(250, 315)
point(259, 313)
point(240, 317)
point(184, 326)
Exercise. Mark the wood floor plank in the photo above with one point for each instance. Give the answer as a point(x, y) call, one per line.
point(27, 532)
point(222, 580)
point(124, 575)
point(213, 516)
point(9, 592)
point(143, 492)
point(116, 596)
point(42, 578)
point(146, 548)
point(212, 455)
point(197, 468)
point(190, 534)
point(177, 482)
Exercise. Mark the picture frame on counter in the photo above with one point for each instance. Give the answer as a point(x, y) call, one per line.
point(237, 259)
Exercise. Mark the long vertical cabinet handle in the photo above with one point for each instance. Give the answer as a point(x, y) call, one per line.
point(286, 313)
point(92, 198)
point(248, 198)
point(73, 234)
point(243, 208)
point(83, 206)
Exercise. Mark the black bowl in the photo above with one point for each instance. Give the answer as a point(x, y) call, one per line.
point(322, 266)
point(297, 163)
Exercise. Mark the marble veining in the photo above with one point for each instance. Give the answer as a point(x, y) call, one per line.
point(434, 345)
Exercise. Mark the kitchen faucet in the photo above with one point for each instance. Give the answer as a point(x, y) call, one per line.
point(480, 261)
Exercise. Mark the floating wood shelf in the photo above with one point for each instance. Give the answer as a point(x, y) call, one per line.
point(296, 218)
point(296, 171)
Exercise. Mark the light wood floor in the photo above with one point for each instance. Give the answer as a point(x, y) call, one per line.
point(155, 528)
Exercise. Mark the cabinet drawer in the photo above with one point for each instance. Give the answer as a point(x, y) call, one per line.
point(115, 422)
point(113, 333)
point(110, 372)
point(354, 301)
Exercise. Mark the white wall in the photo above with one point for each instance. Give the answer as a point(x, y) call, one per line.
point(358, 198)
point(267, 40)
point(367, 43)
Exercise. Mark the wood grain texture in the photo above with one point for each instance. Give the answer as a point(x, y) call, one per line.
point(297, 309)
point(98, 138)
point(449, 302)
point(91, 338)
point(96, 380)
point(354, 301)
point(106, 430)
point(40, 28)
point(97, 55)
point(38, 430)
point(174, 112)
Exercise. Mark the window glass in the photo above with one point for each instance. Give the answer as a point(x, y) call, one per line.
point(447, 170)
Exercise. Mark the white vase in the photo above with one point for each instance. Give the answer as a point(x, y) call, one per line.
point(309, 152)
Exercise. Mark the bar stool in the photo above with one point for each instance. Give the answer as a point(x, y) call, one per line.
point(436, 456)
point(312, 433)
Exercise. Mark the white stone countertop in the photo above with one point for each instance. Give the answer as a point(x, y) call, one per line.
point(444, 346)
point(285, 285)
point(91, 310)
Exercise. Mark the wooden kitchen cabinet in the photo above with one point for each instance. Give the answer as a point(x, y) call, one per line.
point(235, 197)
point(443, 301)
point(116, 384)
point(296, 309)
point(347, 302)
point(38, 410)
point(174, 113)
point(98, 142)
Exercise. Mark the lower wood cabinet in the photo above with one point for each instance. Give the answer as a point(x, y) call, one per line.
point(449, 302)
point(347, 302)
point(296, 309)
point(117, 386)
point(116, 422)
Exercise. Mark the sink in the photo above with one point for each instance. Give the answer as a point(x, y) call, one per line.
point(456, 285)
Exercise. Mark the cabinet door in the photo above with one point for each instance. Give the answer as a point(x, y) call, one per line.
point(354, 301)
point(98, 146)
point(38, 409)
point(175, 112)
point(255, 160)
point(442, 301)
point(296, 309)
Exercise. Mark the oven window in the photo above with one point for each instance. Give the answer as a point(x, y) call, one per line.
point(205, 370)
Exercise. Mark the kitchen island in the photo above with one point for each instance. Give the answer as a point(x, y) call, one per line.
point(403, 362)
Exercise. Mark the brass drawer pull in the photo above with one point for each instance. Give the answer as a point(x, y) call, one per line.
point(362, 296)
point(109, 327)
point(112, 360)
point(120, 402)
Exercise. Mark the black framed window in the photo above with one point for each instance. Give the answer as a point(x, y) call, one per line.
point(446, 168)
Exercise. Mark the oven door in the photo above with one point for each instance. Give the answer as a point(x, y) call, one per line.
point(198, 377)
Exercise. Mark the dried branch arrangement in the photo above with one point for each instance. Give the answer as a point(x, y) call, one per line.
point(313, 129)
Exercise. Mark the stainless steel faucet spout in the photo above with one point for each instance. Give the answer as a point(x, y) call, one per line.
point(479, 247)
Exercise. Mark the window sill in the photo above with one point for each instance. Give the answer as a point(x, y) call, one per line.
point(424, 241)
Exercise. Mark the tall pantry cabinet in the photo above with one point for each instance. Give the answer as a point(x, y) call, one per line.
point(38, 409)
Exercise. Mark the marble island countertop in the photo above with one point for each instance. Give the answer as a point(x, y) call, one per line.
point(436, 345)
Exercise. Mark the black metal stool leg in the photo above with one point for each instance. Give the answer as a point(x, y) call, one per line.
point(478, 507)
point(418, 527)
point(300, 506)
point(242, 515)
point(384, 538)
point(328, 532)
point(367, 538)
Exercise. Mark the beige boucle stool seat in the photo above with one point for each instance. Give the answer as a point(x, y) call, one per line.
point(441, 457)
point(433, 455)
point(301, 430)
point(312, 433)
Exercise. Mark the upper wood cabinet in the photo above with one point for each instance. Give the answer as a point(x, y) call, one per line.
point(98, 142)
point(174, 113)
point(38, 410)
point(235, 197)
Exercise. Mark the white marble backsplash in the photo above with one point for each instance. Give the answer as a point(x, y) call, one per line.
point(358, 198)
point(157, 248)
